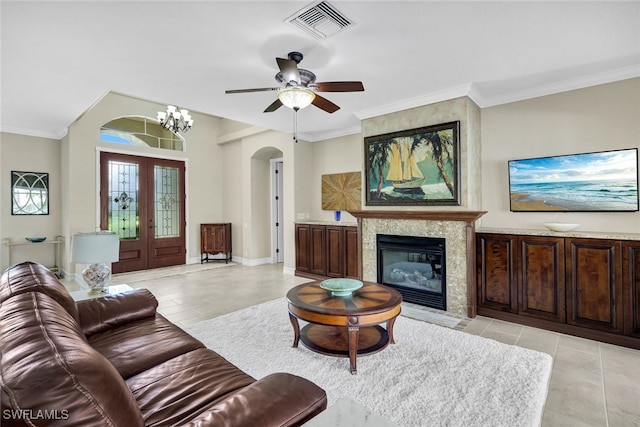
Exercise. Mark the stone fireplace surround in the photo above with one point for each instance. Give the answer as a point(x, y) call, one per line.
point(458, 229)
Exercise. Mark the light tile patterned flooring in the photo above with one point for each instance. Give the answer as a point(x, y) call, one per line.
point(592, 383)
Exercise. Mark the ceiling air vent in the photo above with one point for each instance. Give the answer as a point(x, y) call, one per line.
point(319, 20)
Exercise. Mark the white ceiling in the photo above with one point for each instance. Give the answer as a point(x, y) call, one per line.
point(58, 58)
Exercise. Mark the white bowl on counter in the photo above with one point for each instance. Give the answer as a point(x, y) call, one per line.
point(560, 226)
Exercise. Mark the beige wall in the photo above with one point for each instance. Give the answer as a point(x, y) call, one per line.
point(228, 182)
point(79, 167)
point(335, 155)
point(593, 119)
point(251, 182)
point(33, 154)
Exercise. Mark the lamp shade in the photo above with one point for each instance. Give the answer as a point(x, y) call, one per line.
point(95, 248)
point(296, 98)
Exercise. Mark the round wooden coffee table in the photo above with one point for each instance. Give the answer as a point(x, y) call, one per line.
point(344, 326)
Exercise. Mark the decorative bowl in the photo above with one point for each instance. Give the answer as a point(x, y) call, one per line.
point(560, 226)
point(341, 287)
point(36, 239)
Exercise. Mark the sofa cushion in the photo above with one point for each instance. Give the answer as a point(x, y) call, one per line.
point(32, 277)
point(142, 344)
point(47, 365)
point(278, 399)
point(100, 314)
point(181, 388)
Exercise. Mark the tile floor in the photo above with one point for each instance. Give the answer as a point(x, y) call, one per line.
point(592, 383)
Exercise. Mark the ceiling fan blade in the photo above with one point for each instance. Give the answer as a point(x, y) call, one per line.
point(274, 106)
point(259, 89)
point(325, 104)
point(339, 87)
point(289, 70)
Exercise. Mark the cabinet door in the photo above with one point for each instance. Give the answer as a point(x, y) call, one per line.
point(207, 238)
point(594, 284)
point(351, 256)
point(335, 251)
point(218, 238)
point(496, 272)
point(303, 248)
point(541, 281)
point(631, 288)
point(318, 250)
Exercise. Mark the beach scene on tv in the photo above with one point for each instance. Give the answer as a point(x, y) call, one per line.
point(602, 181)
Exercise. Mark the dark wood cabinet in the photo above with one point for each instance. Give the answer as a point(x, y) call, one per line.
point(541, 278)
point(303, 248)
point(497, 286)
point(594, 284)
point(310, 249)
point(351, 253)
point(583, 286)
point(335, 245)
point(631, 288)
point(215, 239)
point(522, 274)
point(318, 249)
point(326, 251)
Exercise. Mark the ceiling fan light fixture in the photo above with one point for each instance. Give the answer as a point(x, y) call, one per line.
point(296, 98)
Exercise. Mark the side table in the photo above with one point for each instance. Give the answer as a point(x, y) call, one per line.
point(56, 249)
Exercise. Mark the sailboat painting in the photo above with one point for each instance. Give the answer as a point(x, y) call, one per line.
point(414, 167)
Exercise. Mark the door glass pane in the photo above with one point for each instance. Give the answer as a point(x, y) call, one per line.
point(167, 202)
point(123, 211)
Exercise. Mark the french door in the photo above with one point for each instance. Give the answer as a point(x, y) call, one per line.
point(143, 200)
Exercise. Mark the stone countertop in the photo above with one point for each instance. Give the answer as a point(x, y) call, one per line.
point(573, 233)
point(340, 223)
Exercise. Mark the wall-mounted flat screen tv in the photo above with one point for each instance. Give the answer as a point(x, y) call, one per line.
point(586, 182)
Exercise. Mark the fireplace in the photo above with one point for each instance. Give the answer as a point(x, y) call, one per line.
point(415, 266)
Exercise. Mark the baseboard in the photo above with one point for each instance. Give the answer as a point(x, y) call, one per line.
point(252, 262)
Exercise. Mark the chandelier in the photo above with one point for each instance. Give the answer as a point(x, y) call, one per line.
point(174, 120)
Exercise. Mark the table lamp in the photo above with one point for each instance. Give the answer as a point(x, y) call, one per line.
point(96, 249)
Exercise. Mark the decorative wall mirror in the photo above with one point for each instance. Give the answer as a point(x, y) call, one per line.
point(29, 193)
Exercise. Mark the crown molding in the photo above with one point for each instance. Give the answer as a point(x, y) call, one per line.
point(418, 101)
point(337, 133)
point(558, 87)
point(37, 133)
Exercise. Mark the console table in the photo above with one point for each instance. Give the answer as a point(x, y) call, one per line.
point(56, 249)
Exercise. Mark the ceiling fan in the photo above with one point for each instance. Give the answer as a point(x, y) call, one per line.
point(299, 88)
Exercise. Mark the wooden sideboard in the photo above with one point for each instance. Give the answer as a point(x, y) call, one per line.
point(326, 250)
point(583, 286)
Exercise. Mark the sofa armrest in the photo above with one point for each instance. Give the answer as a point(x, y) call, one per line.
point(278, 399)
point(100, 314)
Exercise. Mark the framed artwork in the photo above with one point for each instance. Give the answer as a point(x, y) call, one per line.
point(29, 193)
point(414, 167)
point(341, 191)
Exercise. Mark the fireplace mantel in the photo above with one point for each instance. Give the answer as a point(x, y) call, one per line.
point(467, 216)
point(468, 252)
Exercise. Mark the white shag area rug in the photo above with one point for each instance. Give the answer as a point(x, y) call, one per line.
point(432, 376)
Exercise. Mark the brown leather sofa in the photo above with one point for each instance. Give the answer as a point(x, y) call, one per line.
point(115, 361)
